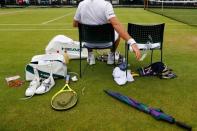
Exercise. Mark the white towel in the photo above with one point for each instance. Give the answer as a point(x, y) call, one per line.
point(119, 76)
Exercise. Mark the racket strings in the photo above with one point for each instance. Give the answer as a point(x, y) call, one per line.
point(64, 100)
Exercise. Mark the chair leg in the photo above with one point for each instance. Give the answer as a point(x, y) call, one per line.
point(127, 56)
point(125, 53)
point(114, 55)
point(161, 55)
point(114, 59)
point(80, 59)
point(151, 56)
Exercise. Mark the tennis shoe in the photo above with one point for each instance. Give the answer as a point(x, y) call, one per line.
point(91, 58)
point(46, 85)
point(34, 84)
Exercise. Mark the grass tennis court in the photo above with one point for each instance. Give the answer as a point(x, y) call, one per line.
point(26, 32)
point(188, 16)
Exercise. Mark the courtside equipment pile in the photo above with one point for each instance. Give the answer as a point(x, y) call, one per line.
point(58, 51)
point(43, 69)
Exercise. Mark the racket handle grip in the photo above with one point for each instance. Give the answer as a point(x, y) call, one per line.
point(183, 125)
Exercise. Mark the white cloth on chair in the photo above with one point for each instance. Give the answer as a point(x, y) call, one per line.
point(147, 46)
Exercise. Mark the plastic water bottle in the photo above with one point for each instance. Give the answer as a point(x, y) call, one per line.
point(66, 57)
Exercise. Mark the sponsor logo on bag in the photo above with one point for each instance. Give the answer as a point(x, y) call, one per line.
point(71, 49)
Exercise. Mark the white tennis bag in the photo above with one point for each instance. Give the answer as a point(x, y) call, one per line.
point(44, 63)
point(60, 43)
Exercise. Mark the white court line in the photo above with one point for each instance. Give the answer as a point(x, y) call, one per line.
point(14, 12)
point(34, 24)
point(71, 24)
point(46, 22)
point(72, 29)
point(36, 29)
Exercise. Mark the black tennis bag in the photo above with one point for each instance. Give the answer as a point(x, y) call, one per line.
point(157, 69)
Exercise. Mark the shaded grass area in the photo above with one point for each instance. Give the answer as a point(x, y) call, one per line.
point(95, 110)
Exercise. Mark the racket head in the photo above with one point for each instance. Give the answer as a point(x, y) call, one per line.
point(64, 100)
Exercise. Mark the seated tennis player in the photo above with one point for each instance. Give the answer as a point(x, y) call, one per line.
point(98, 12)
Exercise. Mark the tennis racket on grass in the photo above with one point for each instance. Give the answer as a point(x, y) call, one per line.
point(65, 98)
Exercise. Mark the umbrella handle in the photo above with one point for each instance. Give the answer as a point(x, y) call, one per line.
point(183, 125)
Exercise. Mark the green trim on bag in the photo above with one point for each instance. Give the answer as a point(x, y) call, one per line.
point(42, 74)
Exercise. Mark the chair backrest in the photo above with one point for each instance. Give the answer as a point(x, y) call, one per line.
point(96, 33)
point(144, 33)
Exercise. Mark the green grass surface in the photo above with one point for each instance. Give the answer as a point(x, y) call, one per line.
point(26, 32)
point(188, 16)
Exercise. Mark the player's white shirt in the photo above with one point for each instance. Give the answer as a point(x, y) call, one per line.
point(94, 12)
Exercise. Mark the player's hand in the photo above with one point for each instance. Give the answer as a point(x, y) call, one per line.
point(136, 51)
